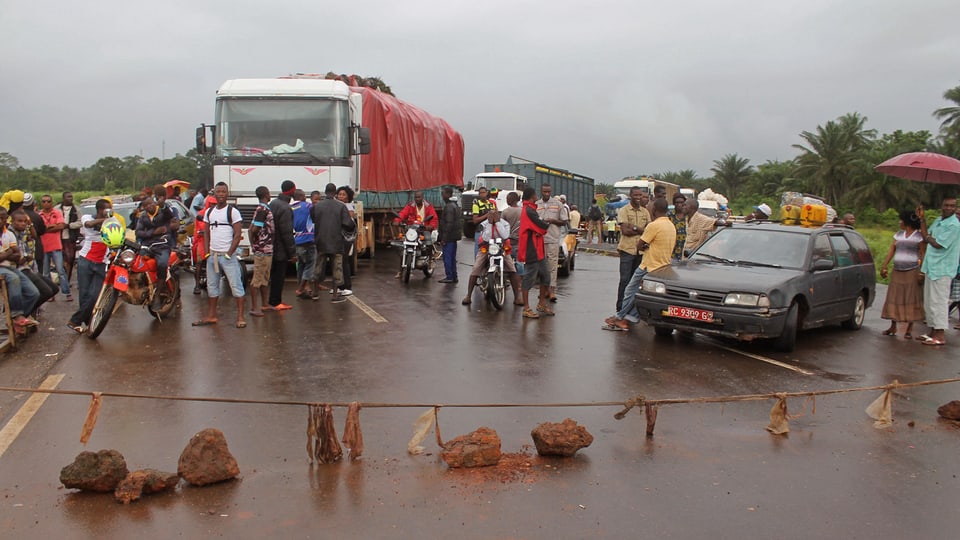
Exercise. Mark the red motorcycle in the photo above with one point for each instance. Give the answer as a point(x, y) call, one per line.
point(132, 276)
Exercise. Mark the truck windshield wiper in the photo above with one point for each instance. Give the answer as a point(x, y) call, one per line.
point(715, 258)
point(753, 263)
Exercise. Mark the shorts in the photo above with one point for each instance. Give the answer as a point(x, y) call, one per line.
point(480, 265)
point(261, 270)
point(535, 272)
point(229, 270)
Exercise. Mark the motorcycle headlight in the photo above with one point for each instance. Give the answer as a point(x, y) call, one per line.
point(746, 299)
point(494, 249)
point(411, 235)
point(127, 256)
point(653, 287)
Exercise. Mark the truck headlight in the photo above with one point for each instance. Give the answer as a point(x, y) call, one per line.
point(653, 287)
point(746, 299)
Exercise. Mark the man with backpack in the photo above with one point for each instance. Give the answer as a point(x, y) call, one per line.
point(221, 241)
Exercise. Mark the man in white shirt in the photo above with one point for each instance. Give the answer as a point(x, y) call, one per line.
point(490, 228)
point(220, 243)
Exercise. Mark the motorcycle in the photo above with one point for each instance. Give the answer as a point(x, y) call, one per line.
point(132, 276)
point(492, 284)
point(420, 251)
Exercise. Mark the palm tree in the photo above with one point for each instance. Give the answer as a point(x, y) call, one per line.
point(833, 156)
point(950, 116)
point(731, 172)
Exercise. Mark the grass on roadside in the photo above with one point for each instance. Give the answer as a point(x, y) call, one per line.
point(879, 240)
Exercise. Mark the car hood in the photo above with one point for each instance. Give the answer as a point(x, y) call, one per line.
point(716, 276)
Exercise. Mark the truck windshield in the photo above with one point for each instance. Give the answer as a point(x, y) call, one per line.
point(318, 128)
point(496, 182)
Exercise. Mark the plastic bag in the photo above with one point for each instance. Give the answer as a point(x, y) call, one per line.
point(881, 411)
point(779, 419)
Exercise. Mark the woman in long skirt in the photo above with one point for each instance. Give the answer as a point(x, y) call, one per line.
point(904, 302)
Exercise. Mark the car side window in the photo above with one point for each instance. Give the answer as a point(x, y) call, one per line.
point(842, 248)
point(821, 248)
point(861, 250)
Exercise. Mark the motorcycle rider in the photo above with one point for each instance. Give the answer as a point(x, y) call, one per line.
point(155, 229)
point(490, 228)
point(419, 211)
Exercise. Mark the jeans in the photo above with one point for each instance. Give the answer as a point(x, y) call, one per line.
point(162, 256)
point(90, 276)
point(229, 269)
point(450, 260)
point(57, 257)
point(23, 294)
point(306, 263)
point(630, 295)
point(628, 265)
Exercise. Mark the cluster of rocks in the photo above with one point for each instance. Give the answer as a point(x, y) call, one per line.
point(481, 448)
point(205, 460)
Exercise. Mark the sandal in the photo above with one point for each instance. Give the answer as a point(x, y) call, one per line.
point(923, 337)
point(78, 328)
point(889, 332)
point(203, 322)
point(934, 342)
point(241, 324)
point(530, 314)
point(908, 335)
point(545, 310)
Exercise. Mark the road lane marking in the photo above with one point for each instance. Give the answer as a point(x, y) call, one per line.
point(29, 408)
point(367, 309)
point(764, 359)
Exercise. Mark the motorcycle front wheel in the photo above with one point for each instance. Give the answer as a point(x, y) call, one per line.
point(102, 310)
point(495, 289)
point(406, 271)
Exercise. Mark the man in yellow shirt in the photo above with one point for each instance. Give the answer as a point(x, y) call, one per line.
point(657, 243)
point(633, 218)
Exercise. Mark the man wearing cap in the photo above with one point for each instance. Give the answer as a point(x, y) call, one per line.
point(759, 213)
point(284, 247)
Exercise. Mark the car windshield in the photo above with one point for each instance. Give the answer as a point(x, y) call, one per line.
point(755, 246)
point(497, 183)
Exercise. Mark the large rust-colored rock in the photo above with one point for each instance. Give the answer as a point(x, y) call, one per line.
point(950, 411)
point(144, 482)
point(207, 460)
point(480, 448)
point(563, 439)
point(100, 471)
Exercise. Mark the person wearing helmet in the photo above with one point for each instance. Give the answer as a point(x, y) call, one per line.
point(91, 270)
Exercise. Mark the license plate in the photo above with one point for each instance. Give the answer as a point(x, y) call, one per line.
point(689, 313)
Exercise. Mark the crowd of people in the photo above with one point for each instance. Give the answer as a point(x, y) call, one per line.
point(41, 248)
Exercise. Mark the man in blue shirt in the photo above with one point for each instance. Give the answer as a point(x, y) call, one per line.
point(939, 268)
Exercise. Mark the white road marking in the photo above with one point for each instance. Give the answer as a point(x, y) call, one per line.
point(367, 309)
point(29, 408)
point(764, 359)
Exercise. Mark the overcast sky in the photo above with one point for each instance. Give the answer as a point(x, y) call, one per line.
point(605, 89)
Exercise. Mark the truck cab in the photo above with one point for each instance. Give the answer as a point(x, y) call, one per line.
point(501, 182)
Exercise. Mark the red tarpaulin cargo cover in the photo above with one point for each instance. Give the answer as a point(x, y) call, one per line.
point(410, 148)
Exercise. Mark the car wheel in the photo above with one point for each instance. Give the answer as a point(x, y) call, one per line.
point(856, 318)
point(788, 338)
point(662, 331)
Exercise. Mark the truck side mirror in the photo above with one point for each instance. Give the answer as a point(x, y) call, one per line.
point(363, 141)
point(202, 139)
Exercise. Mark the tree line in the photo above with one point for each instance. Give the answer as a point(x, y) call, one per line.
point(835, 161)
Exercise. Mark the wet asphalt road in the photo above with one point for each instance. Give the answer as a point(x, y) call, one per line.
point(710, 470)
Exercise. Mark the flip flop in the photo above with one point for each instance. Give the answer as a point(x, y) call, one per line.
point(908, 335)
point(889, 332)
point(203, 322)
point(923, 337)
point(933, 342)
point(255, 313)
point(613, 328)
point(282, 307)
point(241, 324)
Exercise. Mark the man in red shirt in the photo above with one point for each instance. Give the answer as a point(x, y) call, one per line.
point(531, 252)
point(52, 243)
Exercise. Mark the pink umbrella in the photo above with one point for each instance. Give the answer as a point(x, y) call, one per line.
point(922, 167)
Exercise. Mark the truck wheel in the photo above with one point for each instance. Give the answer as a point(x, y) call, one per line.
point(788, 338)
